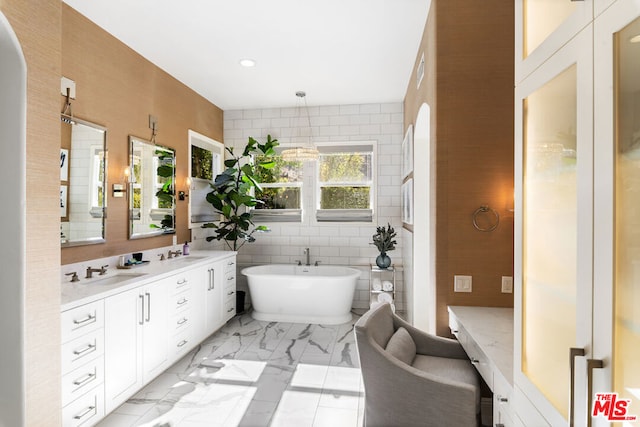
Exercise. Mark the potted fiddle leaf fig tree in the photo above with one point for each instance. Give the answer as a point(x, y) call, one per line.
point(233, 193)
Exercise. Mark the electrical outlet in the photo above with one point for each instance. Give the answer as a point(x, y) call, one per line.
point(462, 283)
point(175, 240)
point(507, 284)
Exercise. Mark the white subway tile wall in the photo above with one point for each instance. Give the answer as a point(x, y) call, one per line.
point(329, 243)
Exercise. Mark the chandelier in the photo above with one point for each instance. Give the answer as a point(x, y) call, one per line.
point(304, 149)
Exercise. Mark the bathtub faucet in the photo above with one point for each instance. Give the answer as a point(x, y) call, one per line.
point(306, 252)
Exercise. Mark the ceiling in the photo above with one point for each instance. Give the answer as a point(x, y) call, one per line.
point(338, 51)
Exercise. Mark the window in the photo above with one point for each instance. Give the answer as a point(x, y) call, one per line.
point(281, 191)
point(345, 183)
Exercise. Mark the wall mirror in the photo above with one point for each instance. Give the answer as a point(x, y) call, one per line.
point(151, 189)
point(83, 180)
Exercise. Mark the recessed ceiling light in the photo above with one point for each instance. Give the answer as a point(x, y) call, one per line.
point(247, 62)
point(635, 39)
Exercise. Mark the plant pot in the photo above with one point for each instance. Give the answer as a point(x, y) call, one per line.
point(383, 261)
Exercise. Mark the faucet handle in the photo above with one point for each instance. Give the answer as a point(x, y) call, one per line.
point(103, 269)
point(317, 263)
point(299, 262)
point(161, 257)
point(74, 276)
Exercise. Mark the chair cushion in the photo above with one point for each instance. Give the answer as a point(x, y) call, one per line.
point(401, 346)
point(453, 369)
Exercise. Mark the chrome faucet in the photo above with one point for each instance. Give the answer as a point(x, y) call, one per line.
point(306, 252)
point(174, 253)
point(102, 270)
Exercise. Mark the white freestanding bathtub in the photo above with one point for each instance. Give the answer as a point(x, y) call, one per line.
point(302, 294)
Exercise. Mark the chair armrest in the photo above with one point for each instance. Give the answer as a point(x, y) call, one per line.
point(432, 345)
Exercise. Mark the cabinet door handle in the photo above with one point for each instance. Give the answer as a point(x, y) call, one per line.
point(573, 353)
point(85, 413)
point(148, 318)
point(89, 318)
point(85, 379)
point(591, 365)
point(141, 309)
point(89, 348)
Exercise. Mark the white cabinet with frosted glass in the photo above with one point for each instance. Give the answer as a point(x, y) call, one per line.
point(577, 250)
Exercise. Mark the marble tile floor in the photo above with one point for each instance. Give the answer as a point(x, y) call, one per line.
point(251, 374)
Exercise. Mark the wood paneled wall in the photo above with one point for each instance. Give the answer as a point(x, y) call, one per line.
point(469, 86)
point(37, 26)
point(119, 89)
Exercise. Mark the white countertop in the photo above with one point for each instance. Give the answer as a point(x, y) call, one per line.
point(492, 330)
point(89, 290)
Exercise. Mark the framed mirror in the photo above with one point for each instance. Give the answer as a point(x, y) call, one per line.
point(151, 189)
point(83, 182)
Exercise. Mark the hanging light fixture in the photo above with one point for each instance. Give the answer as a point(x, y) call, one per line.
point(303, 148)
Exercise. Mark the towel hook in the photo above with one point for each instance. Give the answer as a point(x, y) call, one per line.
point(482, 210)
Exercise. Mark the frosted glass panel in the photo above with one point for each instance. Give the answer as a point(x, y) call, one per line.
point(541, 18)
point(626, 369)
point(550, 224)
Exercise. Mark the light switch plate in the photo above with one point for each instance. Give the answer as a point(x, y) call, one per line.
point(507, 284)
point(462, 283)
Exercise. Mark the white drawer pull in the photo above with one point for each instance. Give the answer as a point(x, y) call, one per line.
point(230, 310)
point(231, 278)
point(85, 413)
point(87, 378)
point(183, 301)
point(182, 321)
point(231, 293)
point(181, 282)
point(88, 319)
point(230, 263)
point(182, 343)
point(88, 349)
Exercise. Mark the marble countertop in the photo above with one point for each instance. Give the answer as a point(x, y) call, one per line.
point(119, 280)
point(492, 330)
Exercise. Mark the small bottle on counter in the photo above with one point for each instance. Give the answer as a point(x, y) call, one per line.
point(185, 248)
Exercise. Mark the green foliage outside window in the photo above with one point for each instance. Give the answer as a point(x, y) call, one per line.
point(345, 169)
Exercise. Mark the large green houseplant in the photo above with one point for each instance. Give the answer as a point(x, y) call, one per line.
point(233, 193)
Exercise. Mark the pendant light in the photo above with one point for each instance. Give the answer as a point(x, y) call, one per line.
point(303, 150)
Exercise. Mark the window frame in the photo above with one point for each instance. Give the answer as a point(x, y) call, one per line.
point(333, 216)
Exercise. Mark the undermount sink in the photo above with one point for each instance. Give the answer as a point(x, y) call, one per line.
point(187, 258)
point(113, 280)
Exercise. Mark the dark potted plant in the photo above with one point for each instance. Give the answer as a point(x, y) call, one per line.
point(384, 241)
point(232, 196)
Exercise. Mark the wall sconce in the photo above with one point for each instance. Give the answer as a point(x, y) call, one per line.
point(119, 190)
point(181, 194)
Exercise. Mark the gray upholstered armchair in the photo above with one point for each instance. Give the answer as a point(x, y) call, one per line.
point(412, 378)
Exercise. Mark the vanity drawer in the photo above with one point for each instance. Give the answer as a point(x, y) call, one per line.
point(180, 282)
point(85, 411)
point(180, 302)
point(477, 357)
point(81, 320)
point(82, 350)
point(181, 343)
point(180, 322)
point(230, 266)
point(78, 381)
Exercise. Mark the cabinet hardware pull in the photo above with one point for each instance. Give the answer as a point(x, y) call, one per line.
point(230, 309)
point(183, 301)
point(591, 365)
point(83, 380)
point(89, 318)
point(85, 413)
point(231, 293)
point(573, 353)
point(230, 263)
point(501, 399)
point(182, 321)
point(148, 306)
point(230, 278)
point(475, 361)
point(141, 309)
point(181, 282)
point(182, 343)
point(89, 348)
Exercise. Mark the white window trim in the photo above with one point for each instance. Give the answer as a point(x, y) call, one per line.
point(337, 216)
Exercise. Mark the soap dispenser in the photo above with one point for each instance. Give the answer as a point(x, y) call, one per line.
point(185, 248)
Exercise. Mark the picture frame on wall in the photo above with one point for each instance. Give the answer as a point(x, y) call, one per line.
point(407, 152)
point(64, 164)
point(407, 202)
point(63, 201)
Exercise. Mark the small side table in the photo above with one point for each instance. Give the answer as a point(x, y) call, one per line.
point(379, 281)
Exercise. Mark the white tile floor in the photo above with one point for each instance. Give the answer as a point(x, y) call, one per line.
point(253, 374)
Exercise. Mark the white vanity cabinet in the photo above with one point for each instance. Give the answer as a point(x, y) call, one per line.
point(83, 364)
point(136, 345)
